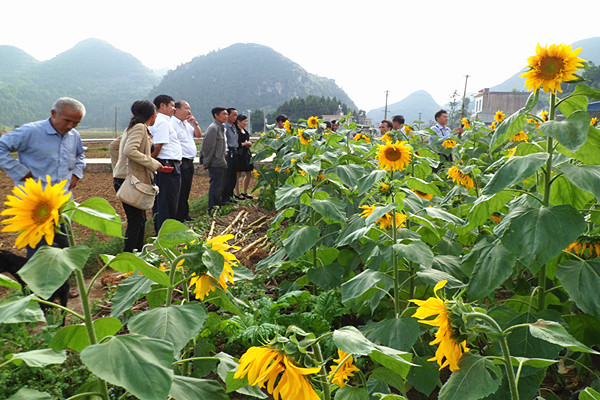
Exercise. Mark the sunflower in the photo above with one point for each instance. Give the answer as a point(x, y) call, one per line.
point(465, 123)
point(255, 173)
point(302, 172)
point(499, 117)
point(511, 152)
point(320, 177)
point(263, 366)
point(35, 211)
point(386, 221)
point(544, 115)
point(407, 129)
point(534, 121)
point(287, 126)
point(423, 195)
point(552, 66)
point(287, 171)
point(593, 121)
point(345, 370)
point(206, 283)
point(496, 218)
point(360, 136)
point(386, 138)
point(460, 178)
point(303, 137)
point(449, 143)
point(493, 126)
point(519, 137)
point(384, 187)
point(277, 169)
point(394, 156)
point(585, 246)
point(449, 351)
point(293, 160)
point(313, 122)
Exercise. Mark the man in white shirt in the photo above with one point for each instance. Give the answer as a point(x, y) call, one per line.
point(167, 150)
point(442, 132)
point(187, 129)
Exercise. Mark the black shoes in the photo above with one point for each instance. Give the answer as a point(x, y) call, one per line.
point(239, 197)
point(246, 195)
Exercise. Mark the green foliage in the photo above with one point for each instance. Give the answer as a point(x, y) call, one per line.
point(302, 108)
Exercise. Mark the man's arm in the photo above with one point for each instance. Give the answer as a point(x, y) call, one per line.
point(208, 145)
point(9, 143)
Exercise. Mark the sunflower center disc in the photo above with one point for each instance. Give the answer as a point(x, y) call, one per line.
point(41, 213)
point(550, 67)
point(393, 154)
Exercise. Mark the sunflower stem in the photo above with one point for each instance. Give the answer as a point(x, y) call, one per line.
point(85, 304)
point(172, 278)
point(322, 372)
point(546, 200)
point(396, 271)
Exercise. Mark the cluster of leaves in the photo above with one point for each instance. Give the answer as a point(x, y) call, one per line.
point(298, 108)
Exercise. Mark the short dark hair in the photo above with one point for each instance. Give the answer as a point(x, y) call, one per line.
point(281, 118)
point(398, 118)
point(388, 123)
point(439, 113)
point(217, 110)
point(328, 124)
point(162, 99)
point(230, 109)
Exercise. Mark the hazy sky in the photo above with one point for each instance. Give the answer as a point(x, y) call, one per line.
point(367, 47)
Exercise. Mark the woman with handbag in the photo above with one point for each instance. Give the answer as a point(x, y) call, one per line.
point(135, 167)
point(244, 156)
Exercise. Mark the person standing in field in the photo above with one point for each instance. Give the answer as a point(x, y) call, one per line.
point(231, 137)
point(212, 157)
point(167, 150)
point(243, 159)
point(187, 129)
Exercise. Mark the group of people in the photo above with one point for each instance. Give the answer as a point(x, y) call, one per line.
point(441, 131)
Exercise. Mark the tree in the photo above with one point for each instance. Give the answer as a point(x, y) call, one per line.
point(257, 121)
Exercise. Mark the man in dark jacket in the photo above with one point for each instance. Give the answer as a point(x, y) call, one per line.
point(212, 156)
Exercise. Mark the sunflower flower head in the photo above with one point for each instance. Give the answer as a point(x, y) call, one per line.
point(287, 126)
point(255, 173)
point(544, 115)
point(586, 247)
point(449, 143)
point(277, 169)
point(304, 137)
point(345, 369)
point(449, 351)
point(360, 136)
point(499, 117)
point(465, 123)
point(320, 177)
point(423, 195)
point(519, 137)
point(594, 121)
point(550, 66)
point(496, 218)
point(386, 138)
point(313, 122)
point(493, 125)
point(283, 378)
point(407, 129)
point(384, 187)
point(386, 221)
point(511, 152)
point(394, 156)
point(460, 178)
point(35, 211)
point(533, 121)
point(204, 282)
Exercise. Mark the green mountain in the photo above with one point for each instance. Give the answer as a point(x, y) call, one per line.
point(418, 106)
point(590, 51)
point(94, 72)
point(246, 76)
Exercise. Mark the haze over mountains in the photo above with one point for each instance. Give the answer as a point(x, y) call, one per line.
point(246, 76)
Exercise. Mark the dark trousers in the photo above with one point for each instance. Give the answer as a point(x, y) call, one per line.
point(169, 184)
point(231, 175)
point(215, 189)
point(136, 223)
point(187, 175)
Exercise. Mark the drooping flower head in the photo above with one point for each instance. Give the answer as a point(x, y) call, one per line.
point(263, 366)
point(360, 136)
point(204, 282)
point(384, 187)
point(511, 152)
point(460, 178)
point(519, 137)
point(394, 156)
point(386, 220)
point(533, 121)
point(35, 211)
point(586, 247)
point(345, 371)
point(594, 121)
point(465, 122)
point(320, 177)
point(499, 117)
point(496, 218)
point(255, 173)
point(304, 138)
point(493, 125)
point(277, 169)
point(544, 115)
point(386, 138)
point(313, 122)
point(449, 143)
point(407, 129)
point(449, 352)
point(551, 66)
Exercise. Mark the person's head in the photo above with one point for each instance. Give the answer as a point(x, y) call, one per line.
point(182, 110)
point(231, 115)
point(280, 120)
point(397, 121)
point(441, 117)
point(327, 125)
point(241, 122)
point(144, 112)
point(66, 114)
point(335, 125)
point(165, 104)
point(219, 114)
point(385, 126)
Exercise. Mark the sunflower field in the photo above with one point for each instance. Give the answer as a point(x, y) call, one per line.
point(401, 267)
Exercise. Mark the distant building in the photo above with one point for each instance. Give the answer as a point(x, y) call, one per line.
point(487, 103)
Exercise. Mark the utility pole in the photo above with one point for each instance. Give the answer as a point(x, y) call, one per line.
point(386, 100)
point(462, 112)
